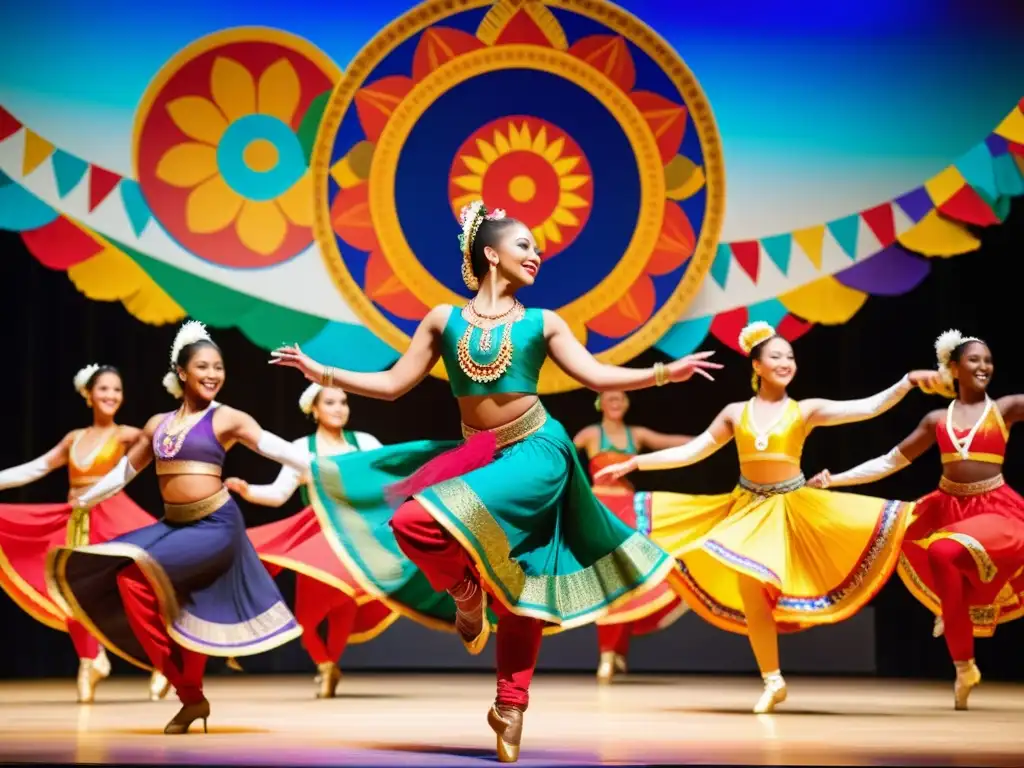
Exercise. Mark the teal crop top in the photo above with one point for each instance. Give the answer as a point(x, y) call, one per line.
point(529, 351)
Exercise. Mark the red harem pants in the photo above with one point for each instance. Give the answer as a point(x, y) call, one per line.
point(446, 564)
point(182, 667)
point(952, 566)
point(316, 602)
point(86, 646)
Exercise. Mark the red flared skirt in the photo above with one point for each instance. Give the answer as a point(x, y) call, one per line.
point(29, 531)
point(297, 544)
point(990, 526)
point(655, 608)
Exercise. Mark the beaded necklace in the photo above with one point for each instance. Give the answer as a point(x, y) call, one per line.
point(483, 373)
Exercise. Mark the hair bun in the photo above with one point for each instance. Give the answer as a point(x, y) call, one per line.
point(754, 334)
point(308, 397)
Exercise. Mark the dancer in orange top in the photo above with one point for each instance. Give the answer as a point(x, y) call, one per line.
point(963, 555)
point(29, 531)
point(605, 443)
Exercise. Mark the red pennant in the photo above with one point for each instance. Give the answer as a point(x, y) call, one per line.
point(9, 125)
point(967, 206)
point(880, 221)
point(748, 256)
point(792, 328)
point(101, 184)
point(726, 327)
point(60, 244)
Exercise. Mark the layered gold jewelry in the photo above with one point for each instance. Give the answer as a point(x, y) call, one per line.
point(660, 375)
point(483, 373)
point(327, 377)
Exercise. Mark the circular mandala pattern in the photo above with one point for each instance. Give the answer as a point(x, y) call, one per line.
point(572, 116)
point(222, 143)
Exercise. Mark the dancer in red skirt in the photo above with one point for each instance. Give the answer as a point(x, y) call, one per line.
point(325, 591)
point(29, 531)
point(963, 555)
point(606, 443)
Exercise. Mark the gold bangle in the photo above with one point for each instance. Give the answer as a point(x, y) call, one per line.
point(660, 375)
point(327, 379)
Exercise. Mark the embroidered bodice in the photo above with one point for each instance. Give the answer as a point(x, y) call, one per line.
point(608, 454)
point(191, 449)
point(782, 441)
point(103, 459)
point(985, 441)
point(528, 351)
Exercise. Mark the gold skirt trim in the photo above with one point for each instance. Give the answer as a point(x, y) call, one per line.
point(196, 510)
point(84, 481)
point(970, 489)
point(174, 467)
point(987, 569)
point(517, 429)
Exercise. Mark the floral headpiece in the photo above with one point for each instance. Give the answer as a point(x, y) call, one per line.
point(754, 334)
point(944, 346)
point(82, 379)
point(470, 218)
point(308, 397)
point(189, 333)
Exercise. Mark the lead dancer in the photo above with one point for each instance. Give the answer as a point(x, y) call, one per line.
point(774, 555)
point(325, 592)
point(189, 586)
point(510, 511)
point(29, 531)
point(963, 556)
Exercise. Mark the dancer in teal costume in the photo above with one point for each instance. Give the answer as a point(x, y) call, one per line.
point(507, 512)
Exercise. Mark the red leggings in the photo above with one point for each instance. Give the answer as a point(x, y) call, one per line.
point(446, 564)
point(86, 646)
point(950, 564)
point(614, 638)
point(316, 602)
point(182, 667)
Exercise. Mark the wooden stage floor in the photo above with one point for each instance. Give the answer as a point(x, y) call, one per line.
point(433, 720)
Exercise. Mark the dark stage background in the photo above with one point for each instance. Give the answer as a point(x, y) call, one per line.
point(50, 331)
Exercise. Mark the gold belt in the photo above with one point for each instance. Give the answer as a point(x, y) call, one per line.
point(83, 481)
point(970, 489)
point(174, 467)
point(196, 510)
point(517, 429)
point(773, 489)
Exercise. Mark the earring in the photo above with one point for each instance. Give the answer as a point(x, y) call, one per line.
point(597, 404)
point(755, 382)
point(88, 401)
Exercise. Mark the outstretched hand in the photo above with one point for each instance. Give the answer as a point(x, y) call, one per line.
point(292, 356)
point(615, 471)
point(237, 485)
point(821, 480)
point(684, 368)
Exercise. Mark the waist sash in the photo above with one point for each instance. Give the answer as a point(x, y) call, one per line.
point(196, 510)
point(970, 489)
point(518, 429)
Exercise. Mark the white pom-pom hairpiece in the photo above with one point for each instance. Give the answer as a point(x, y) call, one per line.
point(172, 384)
point(308, 397)
point(190, 332)
point(944, 346)
point(82, 379)
point(754, 334)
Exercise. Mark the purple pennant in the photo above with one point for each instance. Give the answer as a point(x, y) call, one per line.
point(888, 273)
point(916, 204)
point(997, 145)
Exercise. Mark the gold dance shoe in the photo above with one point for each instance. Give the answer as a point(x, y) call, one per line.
point(328, 677)
point(967, 677)
point(159, 686)
point(507, 724)
point(774, 694)
point(187, 715)
point(472, 625)
point(611, 664)
point(90, 672)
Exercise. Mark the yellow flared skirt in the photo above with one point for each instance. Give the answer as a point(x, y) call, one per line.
point(822, 555)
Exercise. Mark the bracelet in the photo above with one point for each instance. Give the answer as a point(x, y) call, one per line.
point(660, 375)
point(327, 378)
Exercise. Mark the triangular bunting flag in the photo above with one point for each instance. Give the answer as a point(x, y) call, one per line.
point(845, 232)
point(880, 221)
point(101, 183)
point(997, 145)
point(779, 249)
point(916, 204)
point(720, 266)
point(1012, 127)
point(969, 207)
point(68, 170)
point(945, 184)
point(1008, 177)
point(748, 256)
point(37, 149)
point(976, 167)
point(811, 241)
point(9, 125)
point(135, 205)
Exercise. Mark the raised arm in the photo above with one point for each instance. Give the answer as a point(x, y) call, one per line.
point(232, 426)
point(272, 495)
point(137, 458)
point(573, 358)
point(826, 413)
point(648, 440)
point(30, 471)
point(919, 441)
point(1012, 409)
point(411, 368)
point(699, 448)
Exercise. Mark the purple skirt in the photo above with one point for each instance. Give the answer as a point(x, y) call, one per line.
point(215, 595)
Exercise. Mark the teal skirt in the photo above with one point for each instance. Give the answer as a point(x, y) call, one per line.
point(542, 542)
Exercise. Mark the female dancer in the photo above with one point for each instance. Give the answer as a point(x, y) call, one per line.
point(607, 443)
point(510, 510)
point(324, 590)
point(774, 555)
point(963, 556)
point(170, 594)
point(29, 531)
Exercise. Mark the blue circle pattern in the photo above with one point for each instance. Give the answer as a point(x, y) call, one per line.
point(260, 185)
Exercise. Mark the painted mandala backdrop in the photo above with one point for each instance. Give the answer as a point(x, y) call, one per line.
point(295, 169)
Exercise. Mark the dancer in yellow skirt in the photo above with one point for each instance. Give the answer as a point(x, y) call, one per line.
point(774, 555)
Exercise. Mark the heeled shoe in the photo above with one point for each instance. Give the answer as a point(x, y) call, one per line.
point(159, 686)
point(187, 715)
point(611, 664)
point(939, 627)
point(774, 694)
point(507, 724)
point(90, 672)
point(328, 677)
point(475, 640)
point(967, 678)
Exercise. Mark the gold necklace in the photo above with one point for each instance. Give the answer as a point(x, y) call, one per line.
point(483, 373)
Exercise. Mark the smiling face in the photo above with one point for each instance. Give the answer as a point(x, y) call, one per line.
point(974, 368)
point(515, 254)
point(775, 363)
point(203, 374)
point(106, 394)
point(614, 405)
point(331, 408)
